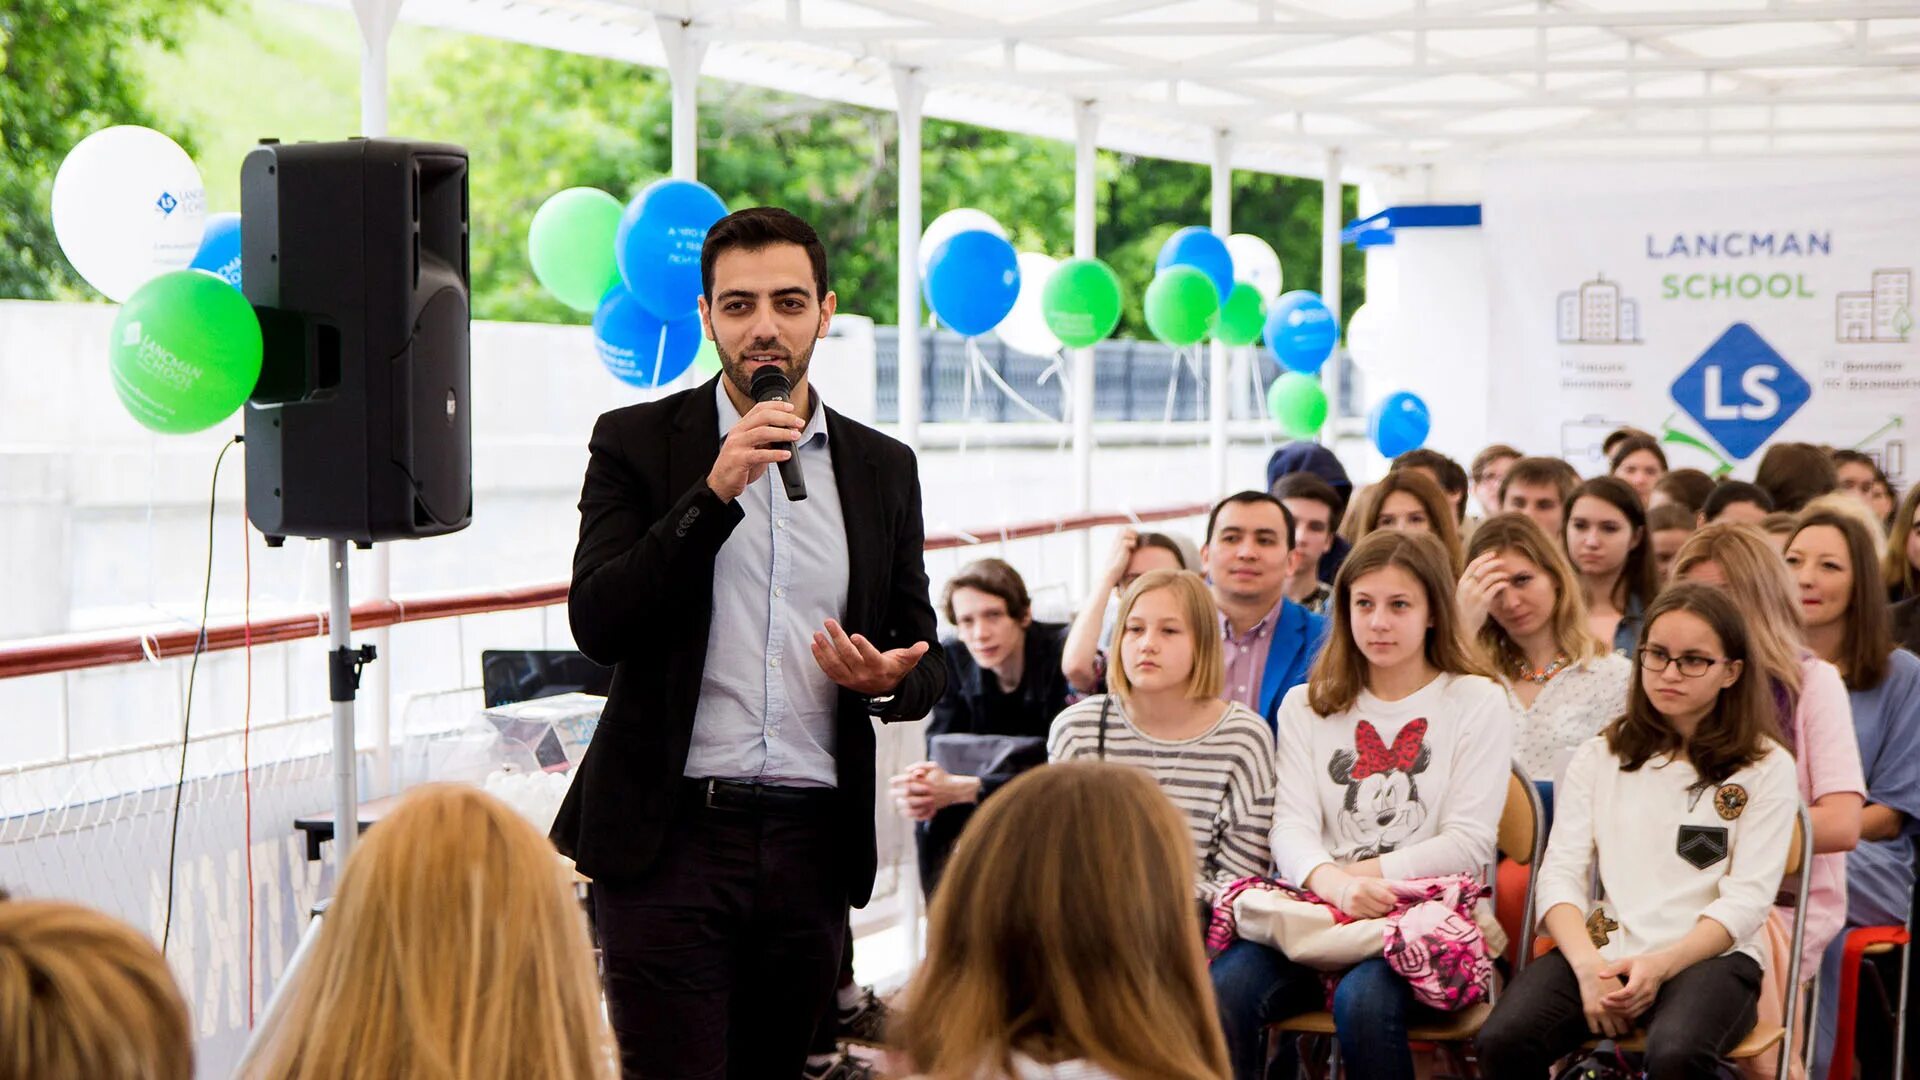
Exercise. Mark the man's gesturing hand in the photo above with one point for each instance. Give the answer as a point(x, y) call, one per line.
point(854, 663)
point(753, 444)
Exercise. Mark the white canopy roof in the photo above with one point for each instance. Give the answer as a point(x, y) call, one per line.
point(1388, 83)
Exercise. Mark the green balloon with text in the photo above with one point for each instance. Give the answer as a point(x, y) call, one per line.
point(1298, 404)
point(1244, 318)
point(1181, 303)
point(1081, 303)
point(185, 352)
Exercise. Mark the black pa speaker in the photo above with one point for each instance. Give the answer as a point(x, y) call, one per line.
point(354, 254)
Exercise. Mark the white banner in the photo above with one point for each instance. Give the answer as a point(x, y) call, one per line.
point(1719, 305)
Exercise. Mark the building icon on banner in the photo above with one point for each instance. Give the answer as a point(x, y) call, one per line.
point(1596, 314)
point(1883, 313)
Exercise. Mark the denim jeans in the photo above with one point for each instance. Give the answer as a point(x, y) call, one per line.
point(1256, 986)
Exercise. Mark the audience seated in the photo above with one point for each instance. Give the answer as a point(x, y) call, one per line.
point(1675, 946)
point(1488, 469)
point(1845, 611)
point(1669, 526)
point(1608, 543)
point(1639, 461)
point(1134, 553)
point(1901, 569)
point(1793, 472)
point(1443, 471)
point(1004, 683)
point(1687, 488)
point(1539, 487)
point(1315, 509)
point(1270, 640)
point(1619, 435)
point(454, 948)
point(84, 996)
point(1163, 713)
point(1520, 601)
point(1392, 765)
point(1736, 502)
point(1860, 476)
point(1312, 457)
point(1062, 946)
point(1410, 501)
point(1776, 527)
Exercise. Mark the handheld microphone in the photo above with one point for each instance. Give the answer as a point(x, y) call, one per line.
point(770, 384)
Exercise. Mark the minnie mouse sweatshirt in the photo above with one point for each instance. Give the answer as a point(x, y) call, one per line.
point(1418, 782)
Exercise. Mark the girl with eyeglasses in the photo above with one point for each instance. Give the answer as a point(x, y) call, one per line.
point(1684, 806)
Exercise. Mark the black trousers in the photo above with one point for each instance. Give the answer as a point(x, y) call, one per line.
point(1699, 1015)
point(721, 961)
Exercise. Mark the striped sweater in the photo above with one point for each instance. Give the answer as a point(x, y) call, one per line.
point(1222, 780)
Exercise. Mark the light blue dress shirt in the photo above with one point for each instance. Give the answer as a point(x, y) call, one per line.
point(766, 710)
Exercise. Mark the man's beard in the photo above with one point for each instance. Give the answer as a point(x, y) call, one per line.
point(794, 367)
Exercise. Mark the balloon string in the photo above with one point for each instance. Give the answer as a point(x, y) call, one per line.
point(1259, 397)
point(966, 397)
point(659, 356)
point(979, 360)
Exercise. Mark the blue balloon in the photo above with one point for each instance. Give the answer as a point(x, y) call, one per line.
point(972, 281)
point(1399, 423)
point(1200, 249)
point(1301, 331)
point(219, 253)
point(639, 348)
point(657, 246)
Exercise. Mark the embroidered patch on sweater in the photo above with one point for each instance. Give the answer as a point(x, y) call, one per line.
point(1730, 801)
point(1600, 928)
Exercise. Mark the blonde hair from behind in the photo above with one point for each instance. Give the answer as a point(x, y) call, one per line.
point(1209, 674)
point(84, 995)
point(1763, 591)
point(1520, 533)
point(454, 949)
point(1063, 929)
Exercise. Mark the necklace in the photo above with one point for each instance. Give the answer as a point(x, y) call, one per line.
point(1539, 676)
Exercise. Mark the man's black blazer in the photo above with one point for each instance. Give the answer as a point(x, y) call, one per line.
point(642, 601)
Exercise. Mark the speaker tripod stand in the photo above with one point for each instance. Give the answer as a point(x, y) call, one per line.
point(344, 665)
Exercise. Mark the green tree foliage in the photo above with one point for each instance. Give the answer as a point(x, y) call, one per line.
point(67, 69)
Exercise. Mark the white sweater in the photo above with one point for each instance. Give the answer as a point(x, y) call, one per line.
point(1670, 853)
point(1418, 782)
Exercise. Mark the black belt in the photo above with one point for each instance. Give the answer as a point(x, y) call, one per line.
point(714, 794)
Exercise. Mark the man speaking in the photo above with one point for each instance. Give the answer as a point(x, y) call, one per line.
point(725, 807)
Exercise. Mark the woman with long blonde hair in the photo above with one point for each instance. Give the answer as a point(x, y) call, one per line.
point(454, 949)
point(1061, 943)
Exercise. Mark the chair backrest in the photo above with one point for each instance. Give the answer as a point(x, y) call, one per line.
point(1521, 833)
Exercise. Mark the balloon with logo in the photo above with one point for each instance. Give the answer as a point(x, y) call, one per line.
point(570, 243)
point(1025, 327)
point(1243, 319)
point(128, 206)
point(1181, 302)
point(219, 252)
point(1256, 263)
point(1205, 252)
point(185, 352)
point(951, 224)
point(1081, 302)
point(1367, 338)
point(1301, 331)
point(638, 347)
point(1298, 404)
point(1399, 423)
point(657, 245)
point(973, 281)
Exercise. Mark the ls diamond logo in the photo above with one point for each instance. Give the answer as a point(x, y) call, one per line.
point(1741, 391)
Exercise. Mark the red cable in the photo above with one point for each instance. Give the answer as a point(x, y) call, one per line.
point(246, 743)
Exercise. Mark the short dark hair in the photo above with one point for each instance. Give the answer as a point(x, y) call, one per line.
point(1670, 516)
point(1484, 460)
point(1728, 492)
point(994, 577)
point(757, 228)
point(1305, 485)
point(1452, 478)
point(1250, 498)
point(1688, 487)
point(1541, 470)
point(1794, 473)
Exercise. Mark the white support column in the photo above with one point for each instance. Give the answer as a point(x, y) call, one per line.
point(909, 94)
point(1331, 214)
point(684, 54)
point(1086, 123)
point(1218, 409)
point(376, 19)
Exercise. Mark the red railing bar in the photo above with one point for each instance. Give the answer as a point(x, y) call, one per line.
point(74, 652)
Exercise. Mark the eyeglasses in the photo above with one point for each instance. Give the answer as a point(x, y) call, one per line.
point(1657, 661)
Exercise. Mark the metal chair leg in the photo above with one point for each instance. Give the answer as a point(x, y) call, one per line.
point(1900, 1016)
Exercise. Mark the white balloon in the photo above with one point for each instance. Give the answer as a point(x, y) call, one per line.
point(128, 206)
point(1025, 327)
point(1370, 338)
point(1256, 263)
point(958, 220)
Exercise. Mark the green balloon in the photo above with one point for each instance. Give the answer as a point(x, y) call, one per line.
point(1297, 404)
point(1081, 302)
point(707, 360)
point(185, 352)
point(1244, 318)
point(570, 244)
point(1181, 304)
